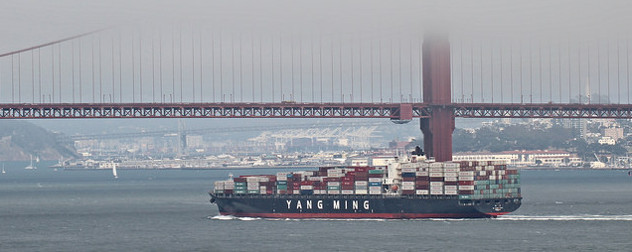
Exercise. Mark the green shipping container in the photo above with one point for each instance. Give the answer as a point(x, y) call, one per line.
point(239, 192)
point(333, 187)
point(376, 172)
point(464, 197)
point(253, 191)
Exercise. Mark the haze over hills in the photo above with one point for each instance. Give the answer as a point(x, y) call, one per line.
point(19, 140)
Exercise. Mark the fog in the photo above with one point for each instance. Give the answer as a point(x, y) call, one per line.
point(568, 32)
point(29, 22)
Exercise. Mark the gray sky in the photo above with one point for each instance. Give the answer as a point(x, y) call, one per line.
point(27, 22)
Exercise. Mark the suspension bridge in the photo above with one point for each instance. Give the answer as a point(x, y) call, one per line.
point(198, 72)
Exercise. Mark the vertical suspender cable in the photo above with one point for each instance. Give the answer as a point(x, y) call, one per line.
point(161, 93)
point(311, 49)
point(100, 73)
point(39, 72)
point(292, 94)
point(113, 73)
point(371, 56)
point(33, 75)
point(502, 81)
point(252, 65)
point(460, 70)
point(193, 64)
point(153, 69)
point(380, 71)
point(133, 71)
point(360, 63)
point(140, 69)
point(241, 72)
point(332, 69)
point(121, 68)
point(281, 65)
point(399, 57)
point(410, 54)
point(352, 75)
point(320, 65)
point(511, 70)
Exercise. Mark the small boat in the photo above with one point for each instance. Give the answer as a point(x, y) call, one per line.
point(31, 166)
point(3, 171)
point(114, 171)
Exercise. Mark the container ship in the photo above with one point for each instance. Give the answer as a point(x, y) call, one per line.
point(404, 188)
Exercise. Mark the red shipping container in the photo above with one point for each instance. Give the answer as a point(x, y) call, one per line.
point(466, 182)
point(422, 187)
point(451, 183)
point(361, 169)
point(344, 183)
point(422, 182)
point(408, 178)
point(347, 187)
point(436, 179)
point(466, 192)
point(408, 192)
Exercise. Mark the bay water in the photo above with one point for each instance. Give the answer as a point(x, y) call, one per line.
point(169, 210)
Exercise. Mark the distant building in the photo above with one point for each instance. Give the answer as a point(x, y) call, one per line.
point(607, 141)
point(615, 133)
point(551, 158)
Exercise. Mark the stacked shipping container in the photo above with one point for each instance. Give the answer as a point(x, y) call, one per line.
point(468, 180)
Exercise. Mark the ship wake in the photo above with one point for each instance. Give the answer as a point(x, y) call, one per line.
point(566, 217)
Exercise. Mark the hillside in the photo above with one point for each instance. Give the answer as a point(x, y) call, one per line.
point(20, 139)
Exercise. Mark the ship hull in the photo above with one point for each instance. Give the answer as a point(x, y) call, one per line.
point(362, 206)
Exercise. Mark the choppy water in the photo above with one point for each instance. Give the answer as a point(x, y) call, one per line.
point(44, 210)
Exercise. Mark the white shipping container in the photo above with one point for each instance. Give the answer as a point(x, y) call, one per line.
point(422, 192)
point(333, 191)
point(424, 165)
point(408, 187)
point(479, 168)
point(482, 173)
point(435, 183)
point(466, 174)
point(218, 185)
point(451, 174)
point(436, 165)
point(451, 192)
point(408, 183)
point(361, 183)
point(436, 188)
point(409, 170)
point(283, 178)
point(489, 168)
point(375, 192)
point(307, 187)
point(297, 192)
point(451, 170)
point(346, 192)
point(450, 179)
point(375, 179)
point(492, 177)
point(466, 178)
point(451, 165)
point(362, 192)
point(466, 187)
point(375, 188)
point(264, 179)
point(435, 169)
point(422, 174)
point(436, 174)
point(333, 183)
point(436, 192)
point(450, 188)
